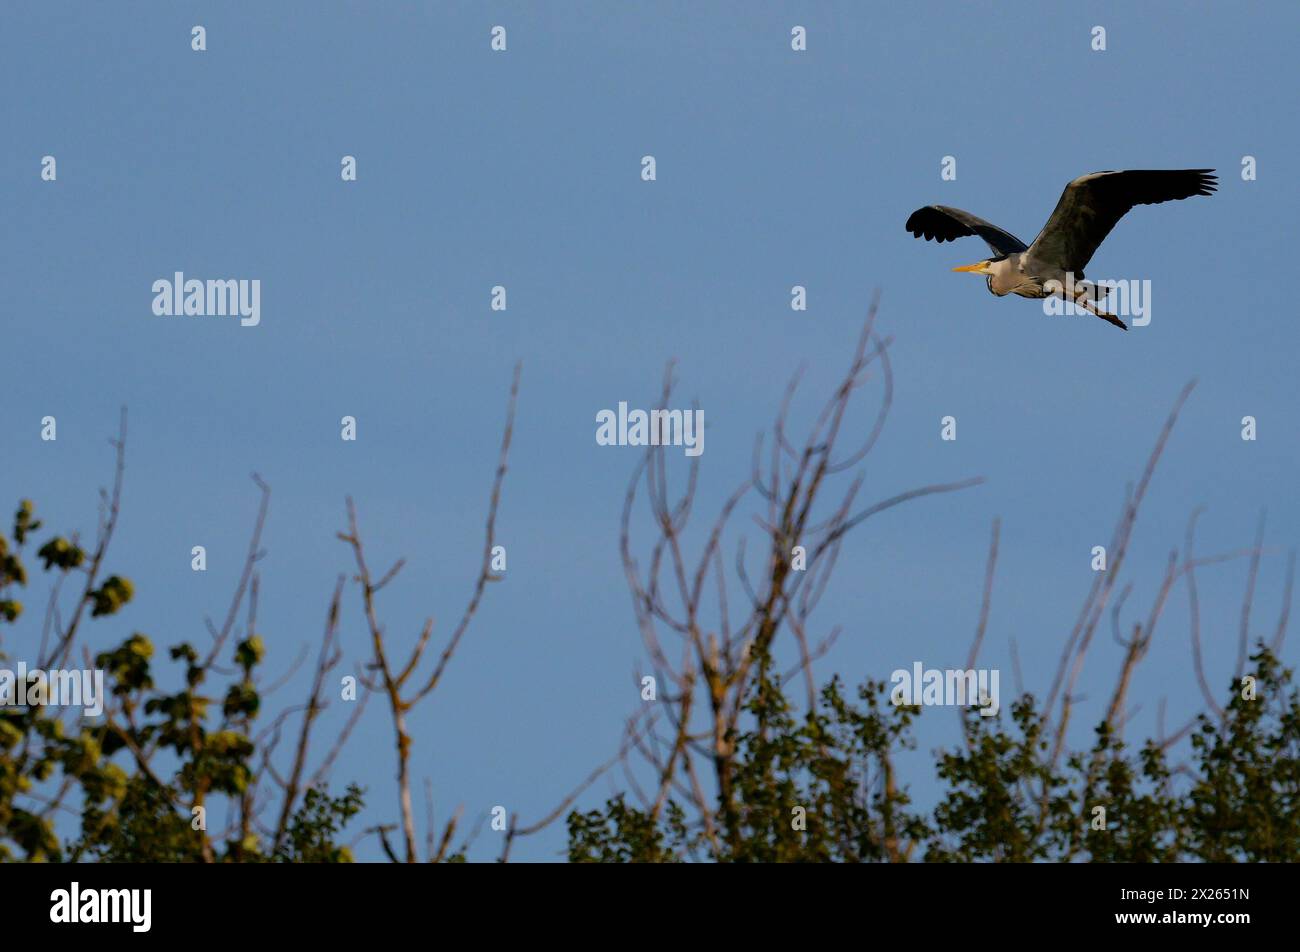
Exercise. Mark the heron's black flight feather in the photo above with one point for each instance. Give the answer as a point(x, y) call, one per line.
point(941, 223)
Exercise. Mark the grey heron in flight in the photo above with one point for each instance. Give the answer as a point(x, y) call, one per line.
point(1087, 211)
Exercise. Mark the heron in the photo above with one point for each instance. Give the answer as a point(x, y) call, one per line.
point(1053, 264)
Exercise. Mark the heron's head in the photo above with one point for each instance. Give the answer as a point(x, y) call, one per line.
point(979, 267)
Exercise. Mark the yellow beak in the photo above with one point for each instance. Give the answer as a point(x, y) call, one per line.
point(978, 266)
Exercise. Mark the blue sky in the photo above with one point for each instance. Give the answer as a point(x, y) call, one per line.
point(522, 169)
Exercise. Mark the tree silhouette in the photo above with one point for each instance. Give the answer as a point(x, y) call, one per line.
point(741, 756)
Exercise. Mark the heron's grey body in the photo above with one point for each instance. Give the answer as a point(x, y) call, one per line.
point(1088, 209)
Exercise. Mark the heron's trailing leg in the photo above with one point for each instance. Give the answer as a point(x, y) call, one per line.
point(1082, 301)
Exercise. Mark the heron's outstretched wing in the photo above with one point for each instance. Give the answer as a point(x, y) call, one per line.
point(941, 223)
point(1092, 204)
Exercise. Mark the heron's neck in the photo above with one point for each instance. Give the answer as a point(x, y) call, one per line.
point(1006, 275)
